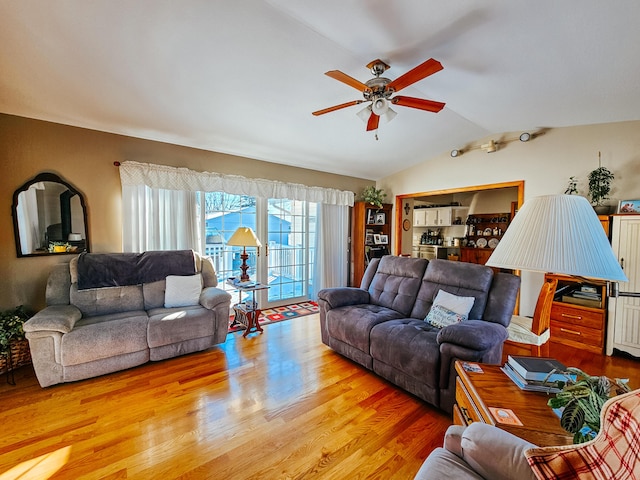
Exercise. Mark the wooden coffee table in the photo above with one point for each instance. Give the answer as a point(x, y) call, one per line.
point(479, 393)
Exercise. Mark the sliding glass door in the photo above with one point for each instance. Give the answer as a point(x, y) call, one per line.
point(286, 229)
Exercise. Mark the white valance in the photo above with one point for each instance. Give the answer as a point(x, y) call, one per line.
point(173, 178)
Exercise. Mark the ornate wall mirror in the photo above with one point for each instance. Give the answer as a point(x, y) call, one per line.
point(49, 218)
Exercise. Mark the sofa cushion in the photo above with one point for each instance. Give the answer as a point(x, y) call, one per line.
point(106, 300)
point(410, 346)
point(173, 325)
point(182, 290)
point(458, 278)
point(396, 283)
point(104, 336)
point(353, 323)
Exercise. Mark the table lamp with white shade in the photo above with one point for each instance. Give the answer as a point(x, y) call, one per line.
point(244, 237)
point(558, 234)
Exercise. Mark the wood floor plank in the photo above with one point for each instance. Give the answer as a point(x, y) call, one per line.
point(277, 405)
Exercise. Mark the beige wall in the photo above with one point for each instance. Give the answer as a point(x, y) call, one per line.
point(545, 163)
point(85, 159)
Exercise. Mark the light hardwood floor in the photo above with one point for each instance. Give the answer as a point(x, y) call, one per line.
point(274, 406)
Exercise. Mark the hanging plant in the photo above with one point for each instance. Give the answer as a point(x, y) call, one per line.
point(600, 184)
point(374, 196)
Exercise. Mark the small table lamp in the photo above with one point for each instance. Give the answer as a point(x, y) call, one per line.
point(558, 234)
point(244, 237)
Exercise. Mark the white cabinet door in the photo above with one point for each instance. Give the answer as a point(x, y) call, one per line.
point(431, 217)
point(623, 332)
point(444, 216)
point(420, 217)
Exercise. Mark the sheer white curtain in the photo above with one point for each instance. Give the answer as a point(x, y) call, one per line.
point(159, 219)
point(332, 255)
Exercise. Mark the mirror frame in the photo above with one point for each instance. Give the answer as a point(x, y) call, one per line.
point(47, 177)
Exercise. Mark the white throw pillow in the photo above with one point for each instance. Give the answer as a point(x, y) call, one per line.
point(460, 305)
point(182, 291)
point(440, 317)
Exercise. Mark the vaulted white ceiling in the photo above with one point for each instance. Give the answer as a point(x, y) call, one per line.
point(243, 76)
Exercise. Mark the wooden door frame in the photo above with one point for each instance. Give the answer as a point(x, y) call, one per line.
point(519, 184)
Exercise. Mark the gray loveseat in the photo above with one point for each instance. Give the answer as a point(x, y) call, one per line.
point(382, 326)
point(106, 312)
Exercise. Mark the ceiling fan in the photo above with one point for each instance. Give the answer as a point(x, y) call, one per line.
point(379, 91)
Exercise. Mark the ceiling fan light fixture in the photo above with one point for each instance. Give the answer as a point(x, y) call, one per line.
point(389, 115)
point(380, 106)
point(364, 114)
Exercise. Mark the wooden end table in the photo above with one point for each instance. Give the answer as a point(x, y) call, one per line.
point(478, 393)
point(247, 313)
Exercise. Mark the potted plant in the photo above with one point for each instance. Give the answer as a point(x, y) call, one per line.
point(374, 196)
point(580, 402)
point(572, 186)
point(12, 338)
point(599, 187)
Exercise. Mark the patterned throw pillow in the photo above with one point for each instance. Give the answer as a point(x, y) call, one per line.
point(440, 317)
point(460, 305)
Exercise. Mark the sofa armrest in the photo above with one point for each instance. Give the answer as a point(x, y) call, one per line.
point(342, 296)
point(211, 297)
point(474, 334)
point(495, 453)
point(56, 318)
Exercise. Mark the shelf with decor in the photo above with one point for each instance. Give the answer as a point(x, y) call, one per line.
point(370, 237)
point(483, 233)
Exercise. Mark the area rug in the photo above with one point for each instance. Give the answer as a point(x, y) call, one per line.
point(278, 314)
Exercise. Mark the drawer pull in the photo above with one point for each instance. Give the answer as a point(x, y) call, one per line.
point(574, 332)
point(465, 415)
point(575, 317)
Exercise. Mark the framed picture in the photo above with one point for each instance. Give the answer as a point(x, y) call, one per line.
point(381, 218)
point(384, 239)
point(371, 217)
point(628, 206)
point(376, 239)
point(369, 239)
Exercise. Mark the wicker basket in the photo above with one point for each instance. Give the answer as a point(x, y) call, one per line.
point(20, 355)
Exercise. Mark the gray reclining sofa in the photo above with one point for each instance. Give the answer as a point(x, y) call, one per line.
point(112, 311)
point(382, 326)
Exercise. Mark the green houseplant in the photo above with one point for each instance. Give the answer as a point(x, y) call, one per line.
point(11, 322)
point(374, 196)
point(581, 401)
point(600, 184)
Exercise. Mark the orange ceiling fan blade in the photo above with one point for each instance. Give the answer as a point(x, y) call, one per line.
point(336, 107)
point(344, 78)
point(423, 70)
point(373, 122)
point(419, 103)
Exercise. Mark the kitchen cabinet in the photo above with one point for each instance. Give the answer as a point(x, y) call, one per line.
point(370, 237)
point(435, 216)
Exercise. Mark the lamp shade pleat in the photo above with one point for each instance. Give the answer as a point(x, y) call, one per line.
point(558, 234)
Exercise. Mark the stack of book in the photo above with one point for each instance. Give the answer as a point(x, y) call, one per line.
point(536, 374)
point(587, 296)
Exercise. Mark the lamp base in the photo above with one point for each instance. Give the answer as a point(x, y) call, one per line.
point(244, 267)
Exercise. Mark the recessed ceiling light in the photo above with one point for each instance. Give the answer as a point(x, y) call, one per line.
point(455, 153)
point(525, 137)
